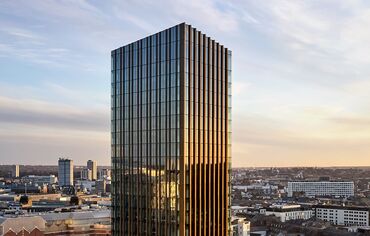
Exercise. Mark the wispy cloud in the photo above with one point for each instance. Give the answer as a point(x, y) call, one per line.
point(21, 34)
point(40, 113)
point(312, 38)
point(22, 44)
point(39, 145)
point(33, 131)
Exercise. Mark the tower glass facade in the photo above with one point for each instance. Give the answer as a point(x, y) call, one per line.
point(65, 172)
point(171, 108)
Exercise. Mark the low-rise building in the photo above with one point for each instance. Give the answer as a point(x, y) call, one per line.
point(85, 185)
point(288, 212)
point(240, 227)
point(343, 215)
point(239, 209)
point(82, 222)
point(22, 225)
point(28, 188)
point(40, 180)
point(85, 222)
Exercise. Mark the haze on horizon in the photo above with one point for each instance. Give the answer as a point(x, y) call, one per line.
point(301, 76)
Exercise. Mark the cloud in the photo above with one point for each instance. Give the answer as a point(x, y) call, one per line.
point(45, 146)
point(316, 38)
point(212, 14)
point(34, 131)
point(57, 57)
point(21, 34)
point(359, 88)
point(39, 113)
point(74, 95)
point(361, 123)
point(262, 141)
point(239, 88)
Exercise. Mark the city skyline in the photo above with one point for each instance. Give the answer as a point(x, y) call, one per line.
point(300, 81)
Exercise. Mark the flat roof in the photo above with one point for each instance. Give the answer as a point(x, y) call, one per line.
point(357, 208)
point(320, 181)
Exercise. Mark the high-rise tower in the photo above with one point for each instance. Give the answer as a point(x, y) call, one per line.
point(93, 166)
point(65, 172)
point(171, 128)
point(14, 171)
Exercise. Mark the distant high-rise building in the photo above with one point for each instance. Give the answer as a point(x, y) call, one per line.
point(65, 172)
point(86, 174)
point(93, 166)
point(104, 173)
point(15, 171)
point(171, 127)
point(100, 186)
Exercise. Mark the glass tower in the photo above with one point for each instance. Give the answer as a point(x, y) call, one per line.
point(65, 172)
point(171, 129)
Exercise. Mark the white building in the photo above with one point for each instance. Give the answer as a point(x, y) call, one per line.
point(65, 172)
point(239, 209)
point(40, 179)
point(104, 174)
point(240, 227)
point(264, 187)
point(321, 188)
point(288, 212)
point(342, 215)
point(93, 166)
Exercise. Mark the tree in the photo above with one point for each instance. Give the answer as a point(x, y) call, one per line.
point(74, 201)
point(24, 200)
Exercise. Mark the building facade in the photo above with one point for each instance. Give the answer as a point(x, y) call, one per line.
point(171, 128)
point(321, 188)
point(90, 222)
point(104, 174)
point(240, 227)
point(93, 166)
point(22, 225)
point(15, 171)
point(65, 172)
point(101, 186)
point(342, 215)
point(86, 174)
point(40, 180)
point(288, 212)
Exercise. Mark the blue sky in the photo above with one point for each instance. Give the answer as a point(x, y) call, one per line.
point(301, 76)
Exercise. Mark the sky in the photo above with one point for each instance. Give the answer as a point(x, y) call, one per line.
point(301, 76)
